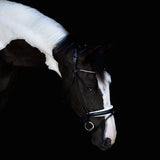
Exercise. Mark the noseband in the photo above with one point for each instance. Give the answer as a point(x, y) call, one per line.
point(88, 124)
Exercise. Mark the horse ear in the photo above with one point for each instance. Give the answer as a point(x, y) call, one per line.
point(103, 50)
point(99, 52)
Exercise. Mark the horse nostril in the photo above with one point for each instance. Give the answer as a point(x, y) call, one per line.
point(107, 143)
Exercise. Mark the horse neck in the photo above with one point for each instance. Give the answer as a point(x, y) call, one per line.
point(20, 54)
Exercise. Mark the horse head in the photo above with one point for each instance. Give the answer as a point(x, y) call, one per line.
point(86, 85)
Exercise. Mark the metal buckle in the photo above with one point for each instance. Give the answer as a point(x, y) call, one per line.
point(89, 126)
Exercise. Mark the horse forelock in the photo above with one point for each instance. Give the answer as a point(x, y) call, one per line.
point(97, 63)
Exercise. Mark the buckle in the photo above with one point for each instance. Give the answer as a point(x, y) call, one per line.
point(89, 126)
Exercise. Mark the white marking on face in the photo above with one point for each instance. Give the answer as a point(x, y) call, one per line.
point(110, 128)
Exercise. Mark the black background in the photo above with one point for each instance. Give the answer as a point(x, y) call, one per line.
point(36, 119)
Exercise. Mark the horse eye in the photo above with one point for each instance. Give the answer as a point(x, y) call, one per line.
point(90, 89)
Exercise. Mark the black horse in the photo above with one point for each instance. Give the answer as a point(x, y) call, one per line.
point(85, 81)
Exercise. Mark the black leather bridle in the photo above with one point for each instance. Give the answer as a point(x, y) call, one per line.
point(88, 124)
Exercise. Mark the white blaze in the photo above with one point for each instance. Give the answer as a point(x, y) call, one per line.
point(110, 128)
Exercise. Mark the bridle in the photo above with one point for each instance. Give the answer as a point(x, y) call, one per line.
point(88, 124)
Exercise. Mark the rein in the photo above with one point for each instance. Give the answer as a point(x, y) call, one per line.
point(88, 124)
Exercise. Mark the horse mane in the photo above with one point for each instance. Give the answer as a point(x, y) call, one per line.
point(22, 22)
point(99, 57)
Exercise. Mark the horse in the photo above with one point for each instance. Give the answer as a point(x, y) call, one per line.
point(28, 38)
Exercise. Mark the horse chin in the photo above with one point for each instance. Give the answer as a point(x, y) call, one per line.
point(102, 147)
